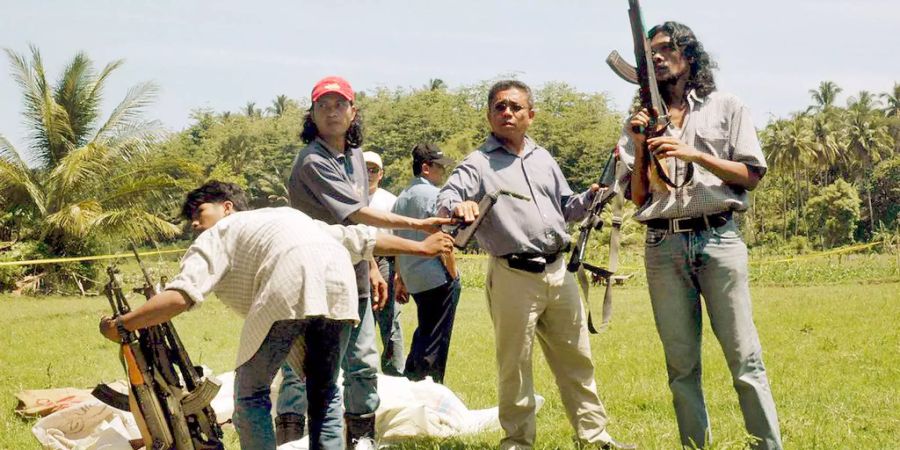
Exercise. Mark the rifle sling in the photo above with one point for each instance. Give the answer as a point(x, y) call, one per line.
point(606, 274)
point(688, 176)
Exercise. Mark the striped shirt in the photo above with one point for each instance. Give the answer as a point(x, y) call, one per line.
point(720, 125)
point(274, 264)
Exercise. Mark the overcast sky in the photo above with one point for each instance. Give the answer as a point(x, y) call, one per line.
point(222, 54)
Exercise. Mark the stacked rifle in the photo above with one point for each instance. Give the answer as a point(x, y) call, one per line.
point(168, 395)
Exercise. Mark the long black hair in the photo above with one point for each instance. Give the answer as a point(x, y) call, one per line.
point(702, 65)
point(354, 136)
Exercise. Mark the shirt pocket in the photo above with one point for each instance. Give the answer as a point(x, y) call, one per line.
point(712, 140)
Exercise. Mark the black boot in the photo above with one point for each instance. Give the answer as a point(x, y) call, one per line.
point(289, 428)
point(359, 428)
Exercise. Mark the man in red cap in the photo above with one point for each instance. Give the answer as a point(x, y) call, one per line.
point(329, 183)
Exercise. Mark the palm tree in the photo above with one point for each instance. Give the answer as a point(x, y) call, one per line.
point(869, 142)
point(91, 181)
point(436, 84)
point(250, 110)
point(280, 105)
point(790, 147)
point(892, 101)
point(827, 132)
point(825, 96)
point(865, 102)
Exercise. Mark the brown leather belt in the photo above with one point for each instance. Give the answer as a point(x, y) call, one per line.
point(686, 224)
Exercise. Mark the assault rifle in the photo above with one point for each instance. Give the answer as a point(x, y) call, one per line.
point(644, 75)
point(167, 394)
point(611, 191)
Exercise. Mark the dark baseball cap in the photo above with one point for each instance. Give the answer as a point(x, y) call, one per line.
point(430, 153)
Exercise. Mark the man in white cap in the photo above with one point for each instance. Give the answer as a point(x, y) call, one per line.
point(388, 317)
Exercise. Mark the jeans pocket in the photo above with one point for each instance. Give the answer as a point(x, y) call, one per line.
point(655, 236)
point(727, 232)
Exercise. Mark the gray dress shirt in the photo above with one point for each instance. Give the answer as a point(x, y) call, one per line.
point(419, 274)
point(330, 188)
point(720, 125)
point(514, 225)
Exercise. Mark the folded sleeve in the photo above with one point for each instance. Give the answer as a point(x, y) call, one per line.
point(202, 267)
point(359, 240)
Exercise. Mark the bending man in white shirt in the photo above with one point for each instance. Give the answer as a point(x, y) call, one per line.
point(292, 279)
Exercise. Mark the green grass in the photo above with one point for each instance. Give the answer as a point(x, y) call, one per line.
point(832, 354)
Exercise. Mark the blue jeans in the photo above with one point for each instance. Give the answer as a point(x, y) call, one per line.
point(388, 320)
point(321, 343)
point(713, 263)
point(292, 395)
point(360, 366)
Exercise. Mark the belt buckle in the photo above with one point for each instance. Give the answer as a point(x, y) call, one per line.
point(676, 225)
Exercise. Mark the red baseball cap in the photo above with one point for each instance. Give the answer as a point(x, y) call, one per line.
point(332, 84)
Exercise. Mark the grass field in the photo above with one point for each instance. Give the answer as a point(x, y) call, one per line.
point(832, 354)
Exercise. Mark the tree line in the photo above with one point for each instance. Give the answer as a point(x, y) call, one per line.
point(95, 181)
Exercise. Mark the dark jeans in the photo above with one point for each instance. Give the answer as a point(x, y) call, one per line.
point(320, 344)
point(435, 309)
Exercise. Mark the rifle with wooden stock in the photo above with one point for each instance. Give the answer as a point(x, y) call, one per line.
point(168, 395)
point(644, 75)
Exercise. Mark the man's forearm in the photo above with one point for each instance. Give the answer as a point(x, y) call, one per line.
point(731, 172)
point(390, 245)
point(160, 308)
point(383, 219)
point(640, 182)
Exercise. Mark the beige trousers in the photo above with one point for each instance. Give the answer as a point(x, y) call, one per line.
point(524, 305)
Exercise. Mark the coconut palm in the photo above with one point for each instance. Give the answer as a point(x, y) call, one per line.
point(90, 181)
point(250, 110)
point(280, 105)
point(869, 142)
point(825, 96)
point(436, 84)
point(892, 101)
point(790, 147)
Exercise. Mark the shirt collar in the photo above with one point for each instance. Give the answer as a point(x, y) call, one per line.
point(331, 150)
point(693, 98)
point(493, 144)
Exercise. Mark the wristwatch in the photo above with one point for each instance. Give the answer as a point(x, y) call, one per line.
point(120, 328)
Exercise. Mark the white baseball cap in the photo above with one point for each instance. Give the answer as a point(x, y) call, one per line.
point(374, 158)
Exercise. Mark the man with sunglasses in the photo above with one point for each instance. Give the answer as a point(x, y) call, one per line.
point(434, 289)
point(329, 183)
point(693, 246)
point(387, 319)
point(530, 293)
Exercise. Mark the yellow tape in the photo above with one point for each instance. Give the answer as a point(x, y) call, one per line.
point(86, 258)
point(836, 251)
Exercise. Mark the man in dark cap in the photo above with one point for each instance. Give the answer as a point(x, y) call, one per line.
point(434, 289)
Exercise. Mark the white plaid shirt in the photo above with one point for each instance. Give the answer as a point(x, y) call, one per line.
point(274, 264)
point(720, 125)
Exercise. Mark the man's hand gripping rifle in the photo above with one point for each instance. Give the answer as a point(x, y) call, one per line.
point(462, 232)
point(167, 394)
point(644, 76)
